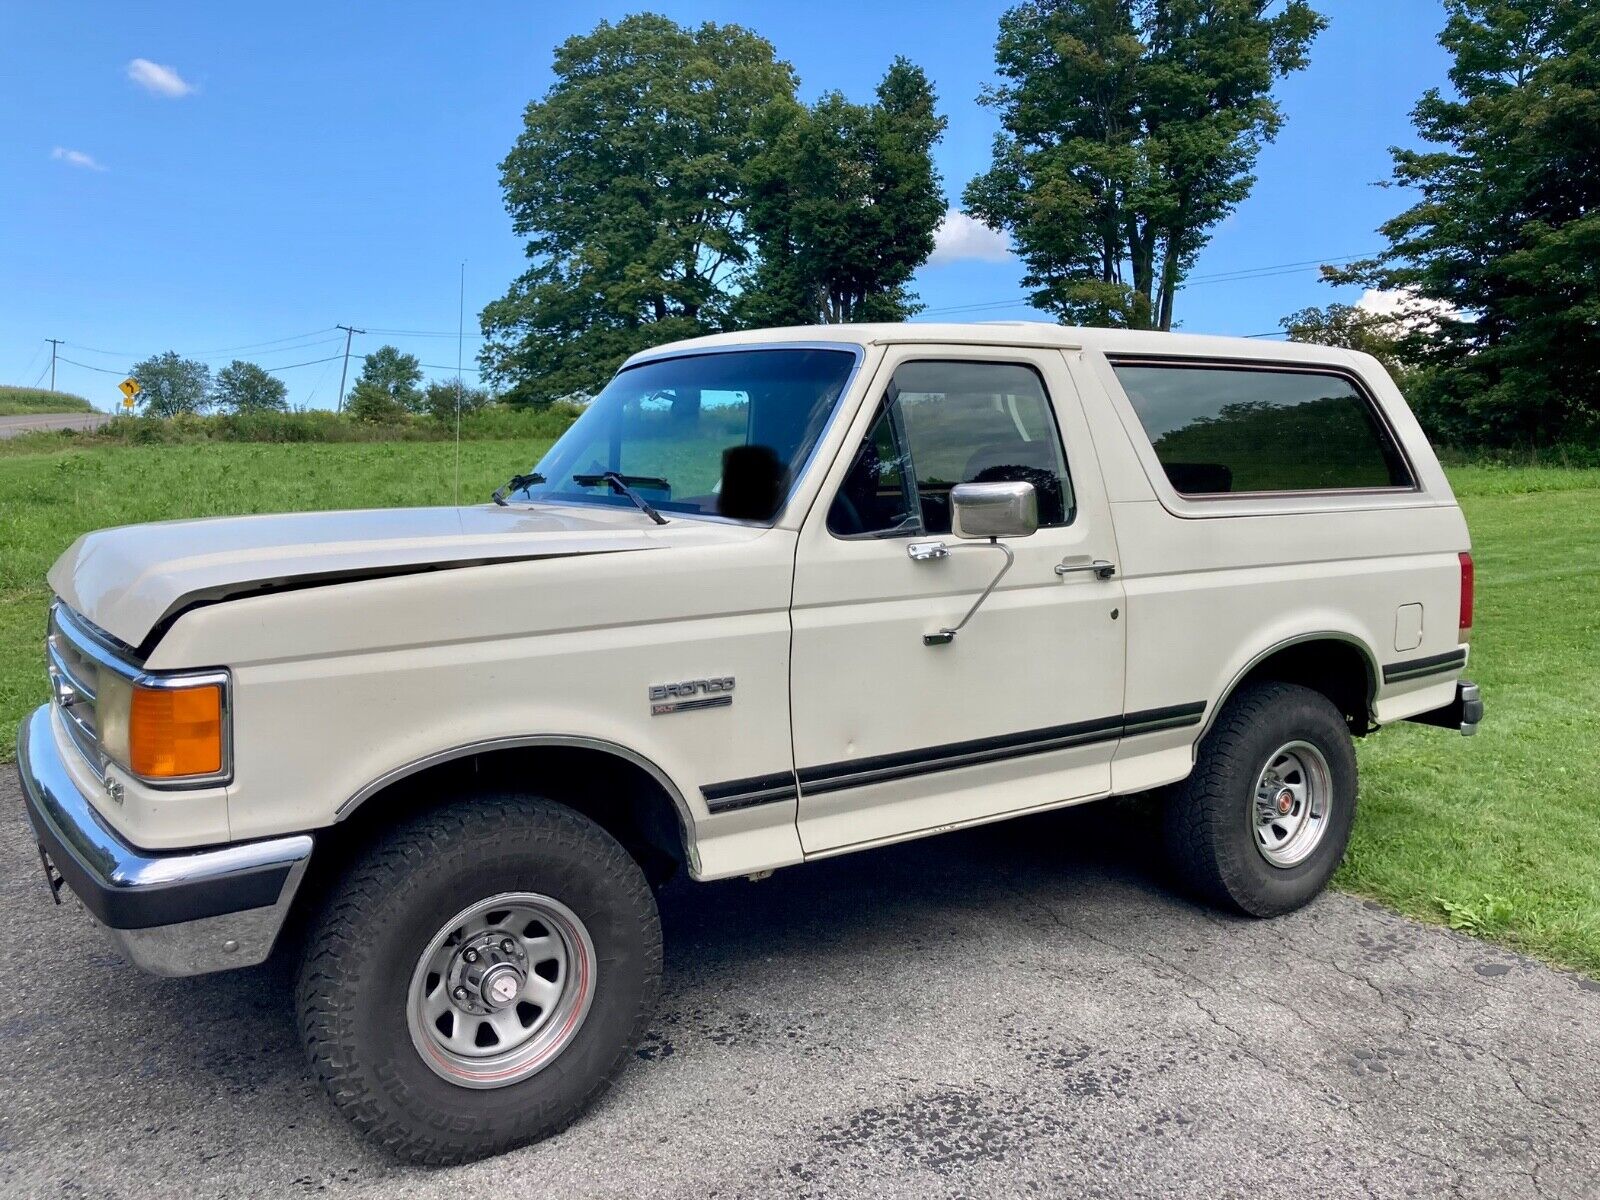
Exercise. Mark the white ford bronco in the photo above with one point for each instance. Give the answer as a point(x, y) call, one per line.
point(774, 596)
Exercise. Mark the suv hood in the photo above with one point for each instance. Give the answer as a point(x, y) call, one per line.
point(129, 580)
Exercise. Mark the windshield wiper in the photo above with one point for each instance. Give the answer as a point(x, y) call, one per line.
point(515, 484)
point(620, 483)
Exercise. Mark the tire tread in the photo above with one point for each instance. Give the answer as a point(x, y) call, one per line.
point(1200, 809)
point(327, 992)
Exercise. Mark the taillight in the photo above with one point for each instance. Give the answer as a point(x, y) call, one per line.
point(1466, 592)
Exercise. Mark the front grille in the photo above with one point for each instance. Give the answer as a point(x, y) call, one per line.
point(76, 661)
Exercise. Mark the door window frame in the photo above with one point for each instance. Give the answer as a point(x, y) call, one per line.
point(881, 406)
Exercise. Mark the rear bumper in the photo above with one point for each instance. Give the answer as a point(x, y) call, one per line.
point(1465, 712)
point(172, 913)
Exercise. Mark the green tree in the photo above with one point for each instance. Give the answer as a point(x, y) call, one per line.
point(397, 375)
point(843, 203)
point(373, 403)
point(627, 181)
point(1352, 328)
point(173, 385)
point(1506, 232)
point(245, 387)
point(441, 396)
point(1129, 129)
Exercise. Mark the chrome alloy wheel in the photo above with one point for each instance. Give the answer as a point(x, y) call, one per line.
point(1291, 805)
point(501, 990)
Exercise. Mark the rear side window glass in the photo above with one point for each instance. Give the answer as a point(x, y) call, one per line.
point(1223, 430)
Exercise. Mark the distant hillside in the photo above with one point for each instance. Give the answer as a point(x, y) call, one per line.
point(15, 401)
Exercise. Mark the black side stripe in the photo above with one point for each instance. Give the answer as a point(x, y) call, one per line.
point(1416, 668)
point(858, 772)
point(746, 793)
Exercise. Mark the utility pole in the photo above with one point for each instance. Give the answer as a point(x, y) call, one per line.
point(54, 342)
point(345, 370)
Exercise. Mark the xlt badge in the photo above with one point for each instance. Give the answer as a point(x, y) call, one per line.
point(690, 695)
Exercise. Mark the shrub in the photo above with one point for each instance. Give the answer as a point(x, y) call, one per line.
point(375, 405)
point(439, 400)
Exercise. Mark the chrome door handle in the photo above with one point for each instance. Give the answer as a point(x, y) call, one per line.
point(1101, 568)
point(927, 551)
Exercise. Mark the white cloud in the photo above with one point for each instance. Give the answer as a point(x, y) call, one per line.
point(163, 81)
point(76, 157)
point(960, 237)
point(1405, 308)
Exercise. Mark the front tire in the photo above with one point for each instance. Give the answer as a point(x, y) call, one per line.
point(479, 977)
point(1262, 822)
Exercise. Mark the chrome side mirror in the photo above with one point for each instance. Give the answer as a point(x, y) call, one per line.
point(993, 510)
point(983, 510)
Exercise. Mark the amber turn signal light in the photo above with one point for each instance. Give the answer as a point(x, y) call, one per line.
point(175, 732)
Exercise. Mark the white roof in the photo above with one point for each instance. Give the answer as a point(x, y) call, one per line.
point(1023, 333)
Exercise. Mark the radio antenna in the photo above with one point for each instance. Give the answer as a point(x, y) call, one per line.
point(461, 309)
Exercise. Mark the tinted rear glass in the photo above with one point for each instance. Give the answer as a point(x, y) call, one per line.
point(1224, 430)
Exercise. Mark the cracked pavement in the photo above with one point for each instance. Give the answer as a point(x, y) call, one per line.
point(1021, 1010)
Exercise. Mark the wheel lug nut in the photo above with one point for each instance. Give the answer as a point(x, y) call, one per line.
point(508, 945)
point(470, 955)
point(460, 993)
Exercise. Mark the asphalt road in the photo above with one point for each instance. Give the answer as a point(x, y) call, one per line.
point(30, 422)
point(1018, 1010)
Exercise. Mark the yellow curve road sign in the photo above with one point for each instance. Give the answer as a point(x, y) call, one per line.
point(129, 388)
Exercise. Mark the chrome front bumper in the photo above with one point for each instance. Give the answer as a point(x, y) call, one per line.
point(172, 913)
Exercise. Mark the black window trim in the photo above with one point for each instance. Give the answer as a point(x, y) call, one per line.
point(881, 405)
point(1285, 368)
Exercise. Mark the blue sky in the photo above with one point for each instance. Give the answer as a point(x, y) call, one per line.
point(235, 180)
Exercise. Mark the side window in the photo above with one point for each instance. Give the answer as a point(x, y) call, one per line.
point(1226, 430)
point(944, 423)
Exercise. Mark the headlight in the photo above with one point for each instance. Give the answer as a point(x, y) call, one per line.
point(171, 732)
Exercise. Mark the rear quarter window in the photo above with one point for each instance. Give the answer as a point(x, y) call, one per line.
point(1226, 430)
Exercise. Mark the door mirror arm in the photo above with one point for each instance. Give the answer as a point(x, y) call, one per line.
point(945, 636)
point(982, 510)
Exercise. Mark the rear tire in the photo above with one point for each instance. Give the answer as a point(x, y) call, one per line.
point(1262, 822)
point(479, 977)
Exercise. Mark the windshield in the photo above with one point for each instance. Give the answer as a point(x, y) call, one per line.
point(720, 434)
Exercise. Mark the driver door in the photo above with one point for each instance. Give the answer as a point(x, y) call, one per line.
point(893, 736)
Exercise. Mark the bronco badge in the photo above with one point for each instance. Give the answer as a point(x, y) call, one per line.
point(691, 694)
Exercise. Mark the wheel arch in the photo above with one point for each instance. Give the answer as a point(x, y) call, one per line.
point(1338, 664)
point(566, 755)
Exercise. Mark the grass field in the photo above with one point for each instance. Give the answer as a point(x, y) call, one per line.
point(20, 401)
point(1498, 835)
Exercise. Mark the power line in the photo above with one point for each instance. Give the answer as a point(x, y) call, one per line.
point(438, 333)
point(208, 354)
point(1244, 273)
point(273, 342)
point(310, 362)
point(298, 346)
point(85, 366)
point(430, 366)
point(37, 351)
point(317, 386)
point(107, 353)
